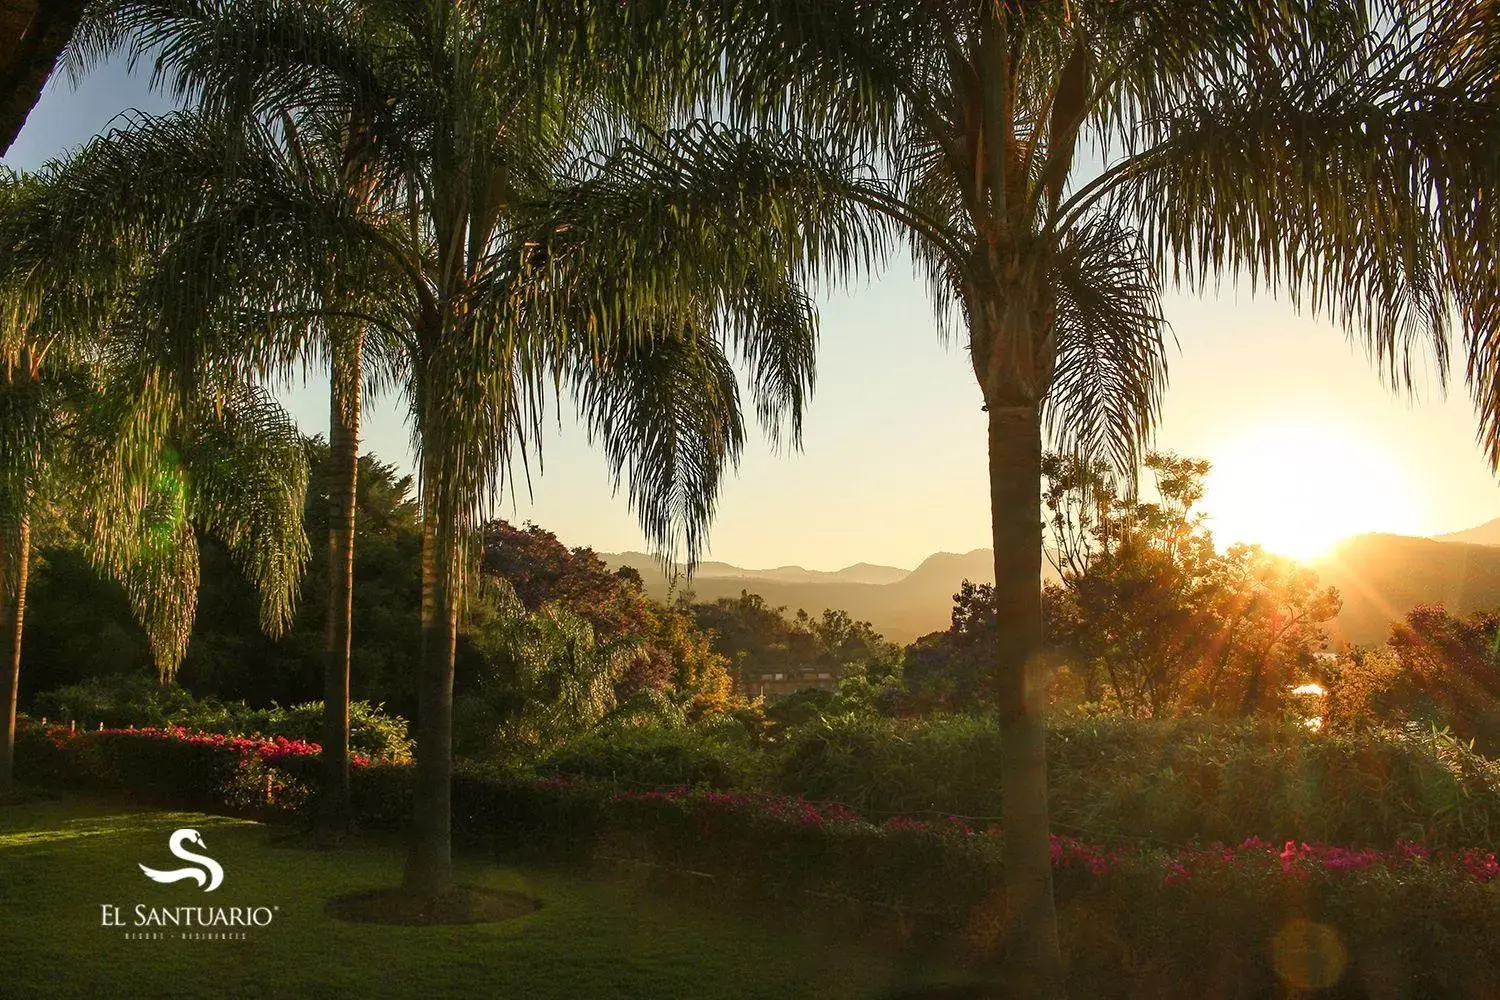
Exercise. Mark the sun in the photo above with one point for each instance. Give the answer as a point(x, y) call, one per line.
point(1296, 487)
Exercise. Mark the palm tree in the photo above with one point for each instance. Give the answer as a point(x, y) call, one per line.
point(1052, 164)
point(324, 154)
point(93, 436)
point(476, 118)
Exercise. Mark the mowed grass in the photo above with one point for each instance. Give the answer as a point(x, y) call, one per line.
point(61, 861)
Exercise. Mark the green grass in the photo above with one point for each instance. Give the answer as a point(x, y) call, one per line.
point(61, 860)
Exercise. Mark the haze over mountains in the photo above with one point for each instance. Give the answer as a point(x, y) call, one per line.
point(1380, 577)
point(901, 604)
point(1487, 533)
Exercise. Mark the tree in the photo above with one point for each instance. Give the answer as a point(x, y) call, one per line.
point(229, 658)
point(666, 651)
point(961, 123)
point(759, 640)
point(1153, 616)
point(1436, 669)
point(324, 154)
point(547, 674)
point(484, 239)
point(270, 332)
point(844, 641)
point(955, 669)
point(137, 463)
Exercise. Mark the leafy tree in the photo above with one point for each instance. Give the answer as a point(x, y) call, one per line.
point(955, 669)
point(1367, 687)
point(321, 155)
point(755, 637)
point(1154, 616)
point(759, 639)
point(1437, 670)
point(227, 659)
point(668, 651)
point(844, 641)
point(547, 674)
point(80, 625)
point(541, 570)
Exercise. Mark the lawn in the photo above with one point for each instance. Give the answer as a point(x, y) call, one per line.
point(62, 861)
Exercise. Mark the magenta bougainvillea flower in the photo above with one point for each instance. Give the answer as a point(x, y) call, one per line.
point(708, 808)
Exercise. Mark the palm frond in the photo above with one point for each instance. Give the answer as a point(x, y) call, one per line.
point(667, 416)
point(1347, 196)
point(1111, 369)
point(247, 480)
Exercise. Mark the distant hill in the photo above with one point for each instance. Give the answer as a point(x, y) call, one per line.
point(900, 604)
point(1487, 533)
point(1382, 577)
point(858, 573)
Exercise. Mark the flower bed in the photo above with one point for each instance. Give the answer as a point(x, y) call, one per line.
point(1202, 919)
point(174, 765)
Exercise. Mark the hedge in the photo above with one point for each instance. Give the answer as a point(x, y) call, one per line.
point(1174, 781)
point(1405, 921)
point(130, 701)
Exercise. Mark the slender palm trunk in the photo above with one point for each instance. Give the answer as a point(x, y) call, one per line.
point(336, 814)
point(16, 619)
point(1032, 954)
point(429, 865)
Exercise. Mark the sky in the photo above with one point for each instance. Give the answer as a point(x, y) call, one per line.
point(1308, 443)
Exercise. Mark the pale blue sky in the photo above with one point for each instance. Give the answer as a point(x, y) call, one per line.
point(1308, 444)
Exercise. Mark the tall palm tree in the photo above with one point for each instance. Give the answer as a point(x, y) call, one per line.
point(1052, 164)
point(476, 116)
point(323, 153)
point(92, 435)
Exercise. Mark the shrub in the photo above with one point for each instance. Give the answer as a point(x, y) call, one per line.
point(717, 756)
point(371, 731)
point(170, 765)
point(124, 701)
point(1176, 781)
point(1193, 779)
point(879, 765)
point(1199, 921)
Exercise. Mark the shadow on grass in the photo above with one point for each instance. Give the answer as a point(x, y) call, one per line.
point(463, 904)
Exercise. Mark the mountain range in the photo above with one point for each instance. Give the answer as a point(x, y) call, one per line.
point(1487, 533)
point(1379, 576)
point(1382, 577)
point(901, 604)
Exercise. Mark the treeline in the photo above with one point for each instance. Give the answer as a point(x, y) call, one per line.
point(1150, 620)
point(551, 642)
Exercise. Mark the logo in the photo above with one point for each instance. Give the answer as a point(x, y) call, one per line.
point(208, 882)
point(145, 922)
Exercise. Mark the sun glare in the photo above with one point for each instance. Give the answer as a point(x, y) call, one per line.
point(1296, 488)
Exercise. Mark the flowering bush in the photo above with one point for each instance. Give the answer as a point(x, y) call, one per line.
point(142, 703)
point(175, 764)
point(1407, 920)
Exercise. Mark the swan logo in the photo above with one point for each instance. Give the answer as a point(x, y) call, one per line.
point(207, 872)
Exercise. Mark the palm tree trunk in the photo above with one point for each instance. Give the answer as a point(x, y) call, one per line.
point(429, 865)
point(336, 812)
point(16, 607)
point(1032, 954)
